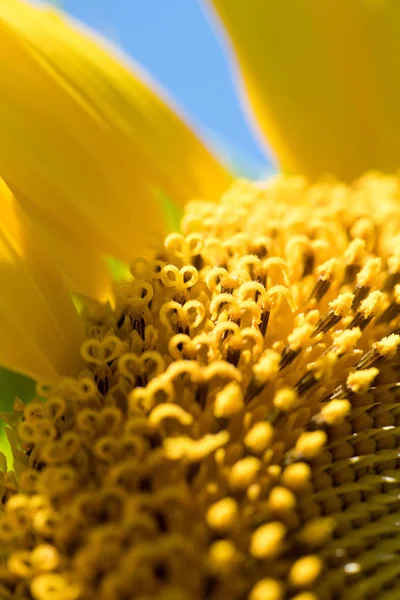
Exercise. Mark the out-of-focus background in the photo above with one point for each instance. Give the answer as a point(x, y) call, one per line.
point(176, 43)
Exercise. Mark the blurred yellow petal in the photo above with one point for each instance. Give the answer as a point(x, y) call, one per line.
point(77, 256)
point(323, 80)
point(87, 141)
point(40, 331)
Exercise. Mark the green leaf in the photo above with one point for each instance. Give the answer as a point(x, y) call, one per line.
point(12, 385)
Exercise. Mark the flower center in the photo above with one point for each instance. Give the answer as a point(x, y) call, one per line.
point(236, 431)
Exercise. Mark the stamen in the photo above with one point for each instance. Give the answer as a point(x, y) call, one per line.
point(235, 431)
point(338, 309)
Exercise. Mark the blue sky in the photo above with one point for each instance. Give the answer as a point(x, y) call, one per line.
point(174, 41)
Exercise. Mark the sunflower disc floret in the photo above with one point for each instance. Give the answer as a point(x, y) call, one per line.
point(235, 431)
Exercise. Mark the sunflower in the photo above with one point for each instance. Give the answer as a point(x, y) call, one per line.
point(222, 423)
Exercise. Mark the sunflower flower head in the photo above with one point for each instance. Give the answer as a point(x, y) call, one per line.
point(228, 427)
point(234, 431)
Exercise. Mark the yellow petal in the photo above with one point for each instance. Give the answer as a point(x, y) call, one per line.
point(78, 257)
point(87, 141)
point(40, 331)
point(323, 80)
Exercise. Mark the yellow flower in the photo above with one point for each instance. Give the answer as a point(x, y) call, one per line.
point(234, 429)
point(322, 79)
point(40, 331)
point(230, 429)
point(89, 147)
